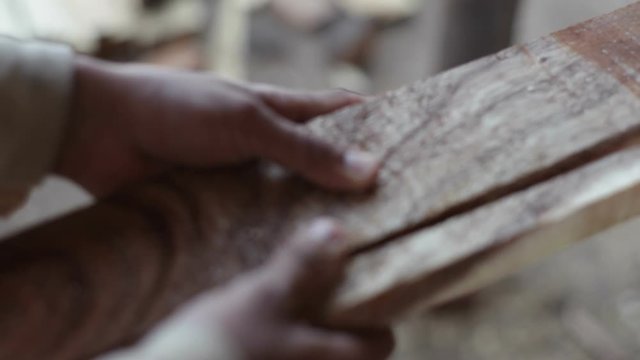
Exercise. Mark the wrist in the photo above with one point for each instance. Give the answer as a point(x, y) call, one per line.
point(96, 153)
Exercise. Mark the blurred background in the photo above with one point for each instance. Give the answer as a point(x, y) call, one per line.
point(582, 304)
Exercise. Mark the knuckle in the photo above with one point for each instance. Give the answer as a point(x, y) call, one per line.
point(305, 254)
point(251, 122)
point(312, 150)
point(248, 107)
point(271, 288)
point(306, 151)
point(272, 296)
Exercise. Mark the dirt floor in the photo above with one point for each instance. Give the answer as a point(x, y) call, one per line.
point(582, 304)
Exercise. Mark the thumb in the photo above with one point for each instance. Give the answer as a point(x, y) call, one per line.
point(317, 160)
point(302, 106)
point(309, 267)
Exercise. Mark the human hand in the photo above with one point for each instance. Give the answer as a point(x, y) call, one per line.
point(273, 313)
point(132, 121)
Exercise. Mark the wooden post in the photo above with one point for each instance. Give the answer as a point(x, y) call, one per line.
point(476, 28)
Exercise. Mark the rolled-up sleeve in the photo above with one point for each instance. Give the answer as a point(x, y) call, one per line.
point(35, 84)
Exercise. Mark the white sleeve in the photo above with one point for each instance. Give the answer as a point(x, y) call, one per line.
point(35, 86)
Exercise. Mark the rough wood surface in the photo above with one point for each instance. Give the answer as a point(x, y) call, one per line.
point(467, 252)
point(452, 143)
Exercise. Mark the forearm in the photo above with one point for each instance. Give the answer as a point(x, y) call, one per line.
point(110, 276)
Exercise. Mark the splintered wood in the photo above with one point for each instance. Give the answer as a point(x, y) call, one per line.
point(488, 167)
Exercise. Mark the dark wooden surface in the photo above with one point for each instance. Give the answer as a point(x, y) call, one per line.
point(476, 28)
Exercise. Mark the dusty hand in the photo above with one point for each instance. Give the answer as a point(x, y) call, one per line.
point(272, 313)
point(129, 122)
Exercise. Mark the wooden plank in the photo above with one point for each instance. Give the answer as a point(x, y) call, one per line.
point(465, 253)
point(452, 144)
point(529, 315)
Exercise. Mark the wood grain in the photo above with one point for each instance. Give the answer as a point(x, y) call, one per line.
point(467, 252)
point(452, 144)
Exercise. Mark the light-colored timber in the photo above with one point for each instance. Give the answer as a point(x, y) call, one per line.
point(461, 255)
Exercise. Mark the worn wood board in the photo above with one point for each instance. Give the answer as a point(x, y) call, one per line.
point(469, 251)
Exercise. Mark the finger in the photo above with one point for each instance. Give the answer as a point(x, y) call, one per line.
point(302, 106)
point(306, 271)
point(377, 341)
point(309, 343)
point(317, 160)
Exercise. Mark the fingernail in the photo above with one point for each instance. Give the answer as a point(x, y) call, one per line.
point(328, 238)
point(352, 92)
point(323, 230)
point(361, 167)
